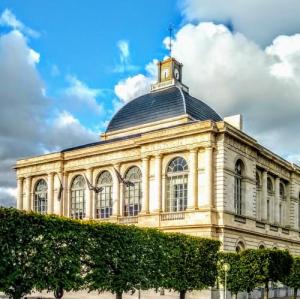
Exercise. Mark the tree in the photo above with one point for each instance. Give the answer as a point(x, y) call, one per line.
point(293, 280)
point(265, 265)
point(60, 256)
point(20, 237)
point(237, 280)
point(115, 256)
point(191, 263)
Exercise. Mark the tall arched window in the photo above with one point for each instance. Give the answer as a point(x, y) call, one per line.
point(104, 198)
point(133, 193)
point(282, 190)
point(177, 185)
point(78, 204)
point(40, 197)
point(270, 187)
point(238, 188)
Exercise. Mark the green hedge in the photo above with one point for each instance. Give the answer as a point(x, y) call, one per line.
point(55, 254)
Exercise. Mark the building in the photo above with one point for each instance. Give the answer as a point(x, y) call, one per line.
point(185, 169)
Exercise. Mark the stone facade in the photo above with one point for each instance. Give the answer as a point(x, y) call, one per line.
point(269, 202)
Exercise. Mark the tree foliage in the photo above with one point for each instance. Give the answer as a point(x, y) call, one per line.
point(265, 265)
point(293, 279)
point(191, 263)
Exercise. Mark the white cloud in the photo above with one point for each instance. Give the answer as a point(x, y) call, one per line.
point(8, 19)
point(81, 94)
point(234, 75)
point(125, 64)
point(260, 21)
point(25, 116)
point(132, 87)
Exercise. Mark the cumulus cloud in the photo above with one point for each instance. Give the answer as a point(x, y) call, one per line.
point(65, 128)
point(79, 94)
point(235, 75)
point(132, 87)
point(25, 116)
point(260, 21)
point(124, 64)
point(8, 19)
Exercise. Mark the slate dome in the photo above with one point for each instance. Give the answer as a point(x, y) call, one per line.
point(159, 105)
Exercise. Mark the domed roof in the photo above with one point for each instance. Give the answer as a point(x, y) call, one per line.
point(159, 105)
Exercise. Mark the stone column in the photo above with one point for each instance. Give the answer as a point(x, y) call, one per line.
point(264, 196)
point(145, 185)
point(193, 180)
point(65, 201)
point(20, 204)
point(50, 198)
point(28, 205)
point(89, 194)
point(116, 193)
point(276, 201)
point(287, 209)
point(209, 176)
point(158, 181)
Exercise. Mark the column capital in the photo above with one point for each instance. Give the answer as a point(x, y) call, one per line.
point(194, 150)
point(158, 156)
point(20, 178)
point(145, 158)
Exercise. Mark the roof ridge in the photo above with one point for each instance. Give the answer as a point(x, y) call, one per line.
point(183, 98)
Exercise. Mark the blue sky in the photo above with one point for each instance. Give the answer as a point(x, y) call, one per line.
point(80, 38)
point(67, 66)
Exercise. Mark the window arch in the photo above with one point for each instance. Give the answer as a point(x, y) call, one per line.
point(270, 187)
point(78, 202)
point(282, 190)
point(240, 246)
point(104, 198)
point(261, 246)
point(258, 180)
point(238, 188)
point(177, 185)
point(40, 202)
point(133, 192)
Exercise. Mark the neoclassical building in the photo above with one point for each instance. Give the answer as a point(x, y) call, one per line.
point(183, 168)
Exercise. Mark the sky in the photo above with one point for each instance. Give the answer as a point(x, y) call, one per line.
point(67, 66)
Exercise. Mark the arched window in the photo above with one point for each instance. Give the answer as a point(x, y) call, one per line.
point(104, 198)
point(40, 197)
point(240, 246)
point(238, 188)
point(261, 246)
point(270, 187)
point(282, 190)
point(177, 185)
point(78, 204)
point(258, 181)
point(133, 193)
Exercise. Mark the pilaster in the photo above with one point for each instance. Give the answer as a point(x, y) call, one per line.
point(20, 204)
point(209, 200)
point(276, 201)
point(145, 185)
point(89, 195)
point(264, 196)
point(158, 180)
point(50, 194)
point(193, 180)
point(28, 205)
point(116, 193)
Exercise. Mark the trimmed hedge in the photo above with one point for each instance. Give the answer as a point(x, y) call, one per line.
point(56, 254)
